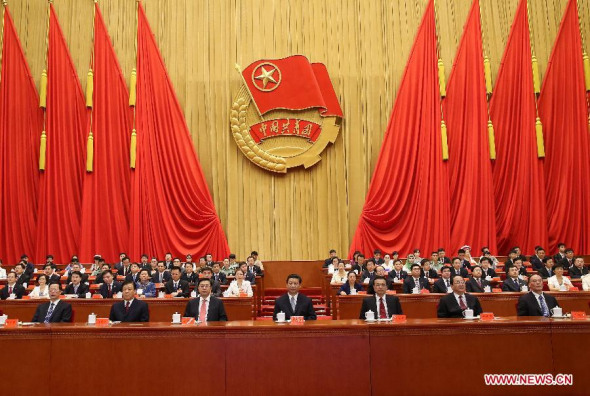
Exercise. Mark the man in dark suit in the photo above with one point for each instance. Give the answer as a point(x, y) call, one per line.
point(133, 274)
point(359, 266)
point(206, 307)
point(560, 255)
point(377, 259)
point(252, 267)
point(12, 288)
point(486, 268)
point(512, 283)
point(536, 303)
point(189, 274)
point(176, 286)
point(328, 261)
point(109, 287)
point(76, 267)
point(168, 261)
point(29, 266)
point(415, 281)
point(161, 275)
point(130, 309)
point(217, 275)
point(123, 268)
point(427, 271)
point(476, 284)
point(369, 273)
point(458, 269)
point(547, 270)
point(568, 261)
point(384, 306)
point(21, 276)
point(578, 270)
point(49, 270)
point(54, 311)
point(466, 264)
point(294, 303)
point(250, 277)
point(207, 272)
point(77, 287)
point(397, 274)
point(443, 284)
point(537, 259)
point(454, 304)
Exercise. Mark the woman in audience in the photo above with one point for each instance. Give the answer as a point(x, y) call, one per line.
point(340, 275)
point(558, 282)
point(42, 288)
point(351, 284)
point(333, 266)
point(239, 285)
point(148, 289)
point(2, 271)
point(387, 262)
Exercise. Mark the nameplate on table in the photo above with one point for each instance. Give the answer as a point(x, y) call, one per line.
point(399, 318)
point(11, 323)
point(102, 322)
point(496, 290)
point(488, 316)
point(576, 315)
point(297, 320)
point(188, 321)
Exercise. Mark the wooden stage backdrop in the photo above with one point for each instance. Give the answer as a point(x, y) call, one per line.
point(364, 44)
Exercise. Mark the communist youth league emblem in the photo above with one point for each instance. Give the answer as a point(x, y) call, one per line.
point(285, 113)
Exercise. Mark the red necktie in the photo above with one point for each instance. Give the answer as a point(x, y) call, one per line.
point(382, 313)
point(9, 289)
point(479, 282)
point(127, 304)
point(462, 303)
point(110, 293)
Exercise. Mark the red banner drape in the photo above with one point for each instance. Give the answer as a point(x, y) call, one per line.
point(473, 218)
point(107, 188)
point(171, 208)
point(562, 107)
point(519, 187)
point(407, 205)
point(21, 121)
point(60, 188)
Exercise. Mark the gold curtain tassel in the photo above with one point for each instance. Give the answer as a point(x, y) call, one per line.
point(133, 149)
point(89, 88)
point(90, 152)
point(42, 151)
point(445, 145)
point(441, 79)
point(536, 75)
point(43, 93)
point(492, 140)
point(540, 143)
point(132, 87)
point(487, 69)
point(586, 70)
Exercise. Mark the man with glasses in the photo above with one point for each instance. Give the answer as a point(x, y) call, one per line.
point(55, 310)
point(453, 304)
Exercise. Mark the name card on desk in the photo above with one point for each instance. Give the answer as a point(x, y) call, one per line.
point(576, 315)
point(29, 297)
point(167, 295)
point(399, 318)
point(424, 291)
point(486, 316)
point(297, 320)
point(97, 296)
point(573, 288)
point(496, 290)
point(11, 323)
point(102, 322)
point(496, 279)
point(243, 294)
point(361, 292)
point(188, 321)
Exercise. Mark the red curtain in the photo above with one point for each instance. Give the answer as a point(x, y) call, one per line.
point(21, 122)
point(407, 205)
point(519, 186)
point(107, 188)
point(171, 208)
point(562, 107)
point(473, 220)
point(60, 189)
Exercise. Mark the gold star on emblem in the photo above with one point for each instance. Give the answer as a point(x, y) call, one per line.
point(266, 76)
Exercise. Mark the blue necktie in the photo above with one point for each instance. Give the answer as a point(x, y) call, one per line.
point(49, 313)
point(544, 307)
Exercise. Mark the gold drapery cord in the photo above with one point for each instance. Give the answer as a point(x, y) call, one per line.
point(43, 95)
point(89, 95)
point(442, 88)
point(536, 86)
point(487, 70)
point(4, 5)
point(132, 94)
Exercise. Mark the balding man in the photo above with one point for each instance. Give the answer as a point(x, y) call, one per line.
point(535, 302)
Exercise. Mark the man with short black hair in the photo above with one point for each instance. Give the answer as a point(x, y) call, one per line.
point(123, 268)
point(442, 258)
point(249, 276)
point(369, 273)
point(547, 270)
point(443, 284)
point(476, 284)
point(207, 272)
point(513, 283)
point(536, 260)
point(252, 267)
point(53, 311)
point(217, 275)
point(176, 286)
point(12, 290)
point(384, 306)
point(454, 304)
point(76, 267)
point(168, 260)
point(133, 274)
point(415, 283)
point(397, 274)
point(21, 277)
point(206, 307)
point(359, 266)
point(109, 287)
point(466, 264)
point(568, 261)
point(458, 268)
point(130, 309)
point(49, 270)
point(77, 287)
point(377, 259)
point(144, 262)
point(328, 261)
point(161, 275)
point(560, 255)
point(487, 272)
point(294, 303)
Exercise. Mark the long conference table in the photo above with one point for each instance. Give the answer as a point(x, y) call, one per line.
point(343, 357)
